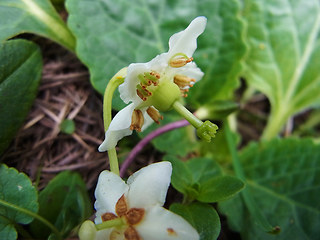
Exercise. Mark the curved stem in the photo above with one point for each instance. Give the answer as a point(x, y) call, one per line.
point(34, 215)
point(113, 84)
point(134, 152)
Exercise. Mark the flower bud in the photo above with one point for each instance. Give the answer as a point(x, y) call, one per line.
point(87, 231)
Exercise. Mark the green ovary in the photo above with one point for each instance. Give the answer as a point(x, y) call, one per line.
point(164, 95)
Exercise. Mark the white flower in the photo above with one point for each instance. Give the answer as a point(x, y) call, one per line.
point(154, 86)
point(139, 204)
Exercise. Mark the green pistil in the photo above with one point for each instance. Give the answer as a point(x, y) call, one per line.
point(205, 130)
point(117, 222)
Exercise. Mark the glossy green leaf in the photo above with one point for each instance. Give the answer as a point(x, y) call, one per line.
point(202, 217)
point(7, 230)
point(219, 189)
point(64, 202)
point(17, 198)
point(20, 73)
point(283, 177)
point(112, 34)
point(283, 62)
point(202, 179)
point(34, 16)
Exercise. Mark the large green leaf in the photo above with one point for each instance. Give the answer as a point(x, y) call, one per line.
point(64, 202)
point(283, 177)
point(203, 180)
point(20, 73)
point(16, 195)
point(283, 62)
point(34, 16)
point(7, 230)
point(202, 217)
point(112, 34)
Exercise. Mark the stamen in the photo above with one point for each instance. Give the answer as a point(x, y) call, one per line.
point(183, 92)
point(137, 120)
point(135, 215)
point(154, 114)
point(183, 81)
point(131, 234)
point(144, 81)
point(108, 216)
point(152, 77)
point(179, 60)
point(121, 206)
point(143, 92)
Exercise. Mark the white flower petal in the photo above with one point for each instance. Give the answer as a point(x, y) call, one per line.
point(191, 70)
point(128, 88)
point(149, 185)
point(161, 224)
point(110, 188)
point(186, 41)
point(119, 128)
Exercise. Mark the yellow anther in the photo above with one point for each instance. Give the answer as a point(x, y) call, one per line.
point(179, 61)
point(154, 114)
point(183, 81)
point(137, 120)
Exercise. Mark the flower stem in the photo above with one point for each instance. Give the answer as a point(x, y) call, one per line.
point(134, 152)
point(113, 84)
point(192, 119)
point(32, 214)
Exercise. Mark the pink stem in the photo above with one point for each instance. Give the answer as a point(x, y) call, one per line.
point(135, 151)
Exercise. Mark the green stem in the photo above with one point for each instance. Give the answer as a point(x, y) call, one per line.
point(113, 84)
point(192, 119)
point(34, 215)
point(59, 31)
point(245, 193)
point(109, 224)
point(276, 122)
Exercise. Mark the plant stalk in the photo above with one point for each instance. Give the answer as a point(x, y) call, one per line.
point(113, 84)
